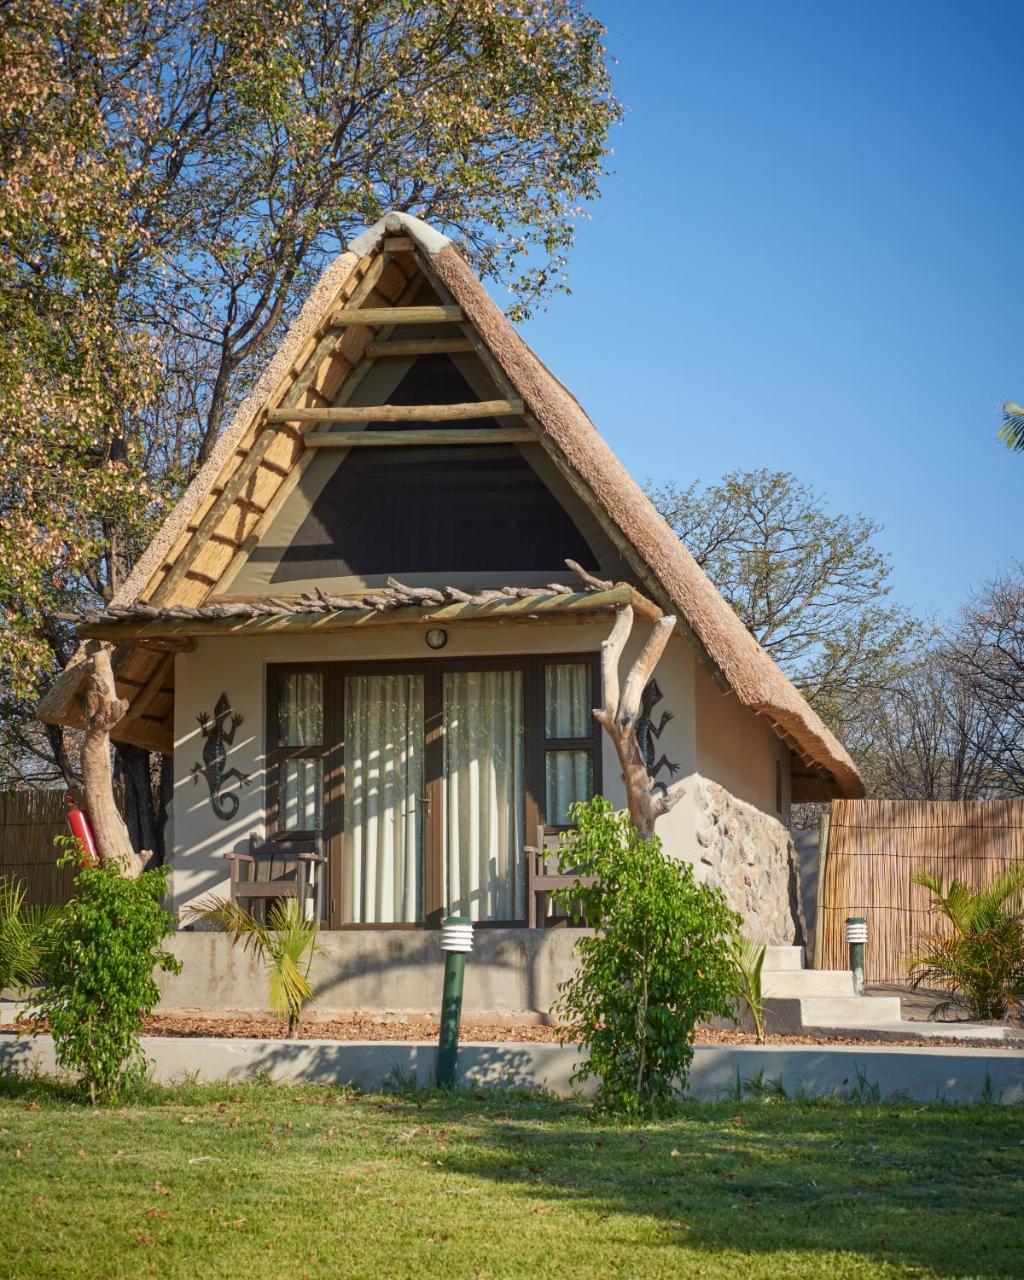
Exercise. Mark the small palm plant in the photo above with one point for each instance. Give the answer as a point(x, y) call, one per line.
point(748, 961)
point(286, 944)
point(979, 956)
point(22, 937)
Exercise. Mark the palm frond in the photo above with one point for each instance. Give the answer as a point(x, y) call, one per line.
point(241, 925)
point(286, 944)
point(1012, 430)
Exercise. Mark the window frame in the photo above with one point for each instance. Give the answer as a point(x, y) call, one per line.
point(332, 751)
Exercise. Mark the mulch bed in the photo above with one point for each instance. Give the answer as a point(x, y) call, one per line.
point(476, 1028)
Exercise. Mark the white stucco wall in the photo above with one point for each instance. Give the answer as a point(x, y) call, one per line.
point(237, 666)
point(737, 748)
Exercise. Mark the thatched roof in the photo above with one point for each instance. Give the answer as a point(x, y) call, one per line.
point(226, 501)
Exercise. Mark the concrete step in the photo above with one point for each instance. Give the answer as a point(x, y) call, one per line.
point(778, 959)
point(917, 1030)
point(849, 1011)
point(799, 984)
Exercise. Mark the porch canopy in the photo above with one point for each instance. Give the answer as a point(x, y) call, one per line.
point(146, 637)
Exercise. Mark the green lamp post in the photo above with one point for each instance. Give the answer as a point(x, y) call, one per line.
point(456, 943)
point(856, 936)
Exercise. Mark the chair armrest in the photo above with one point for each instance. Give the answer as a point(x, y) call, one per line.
point(311, 857)
point(240, 857)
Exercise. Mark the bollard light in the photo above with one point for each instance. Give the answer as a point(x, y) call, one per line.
point(456, 943)
point(856, 936)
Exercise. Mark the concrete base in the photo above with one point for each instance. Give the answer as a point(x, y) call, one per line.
point(719, 1071)
point(510, 971)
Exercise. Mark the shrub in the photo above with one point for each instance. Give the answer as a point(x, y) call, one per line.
point(100, 956)
point(286, 944)
point(23, 932)
point(660, 961)
point(979, 956)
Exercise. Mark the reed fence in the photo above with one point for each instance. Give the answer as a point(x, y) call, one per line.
point(875, 846)
point(29, 822)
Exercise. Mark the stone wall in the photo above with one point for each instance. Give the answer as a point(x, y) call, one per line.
point(751, 857)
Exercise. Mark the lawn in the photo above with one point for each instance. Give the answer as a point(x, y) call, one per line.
point(264, 1181)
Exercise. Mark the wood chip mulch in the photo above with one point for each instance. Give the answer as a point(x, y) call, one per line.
point(476, 1028)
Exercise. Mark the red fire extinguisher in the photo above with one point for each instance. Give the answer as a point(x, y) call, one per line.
point(80, 829)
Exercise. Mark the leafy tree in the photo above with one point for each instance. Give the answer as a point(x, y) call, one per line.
point(809, 585)
point(660, 961)
point(176, 174)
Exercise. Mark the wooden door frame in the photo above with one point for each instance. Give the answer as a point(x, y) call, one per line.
point(332, 751)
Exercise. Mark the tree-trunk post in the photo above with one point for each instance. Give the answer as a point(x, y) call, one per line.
point(618, 716)
point(103, 709)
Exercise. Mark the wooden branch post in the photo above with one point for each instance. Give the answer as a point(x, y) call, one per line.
point(104, 709)
point(618, 717)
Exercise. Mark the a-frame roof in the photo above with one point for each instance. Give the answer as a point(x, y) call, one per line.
point(255, 462)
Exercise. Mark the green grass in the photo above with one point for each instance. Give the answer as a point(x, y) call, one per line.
point(263, 1181)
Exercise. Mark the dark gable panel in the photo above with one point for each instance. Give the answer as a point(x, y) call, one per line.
point(433, 509)
point(433, 380)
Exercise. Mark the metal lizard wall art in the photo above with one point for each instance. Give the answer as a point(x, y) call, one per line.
point(218, 735)
point(647, 734)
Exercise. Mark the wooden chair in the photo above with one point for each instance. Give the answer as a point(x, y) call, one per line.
point(274, 869)
point(543, 874)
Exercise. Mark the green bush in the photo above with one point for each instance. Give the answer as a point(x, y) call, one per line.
point(23, 932)
point(100, 957)
point(661, 960)
point(978, 956)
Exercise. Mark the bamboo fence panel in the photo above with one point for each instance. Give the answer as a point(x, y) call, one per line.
point(875, 846)
point(29, 822)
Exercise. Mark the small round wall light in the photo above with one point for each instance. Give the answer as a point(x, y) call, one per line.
point(436, 638)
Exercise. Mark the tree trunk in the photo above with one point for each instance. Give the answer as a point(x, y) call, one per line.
point(646, 802)
point(103, 710)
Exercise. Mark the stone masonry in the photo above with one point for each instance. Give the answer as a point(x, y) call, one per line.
point(750, 856)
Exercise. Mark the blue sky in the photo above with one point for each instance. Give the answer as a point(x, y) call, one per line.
point(808, 258)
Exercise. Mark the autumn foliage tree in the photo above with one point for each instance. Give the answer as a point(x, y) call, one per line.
point(175, 176)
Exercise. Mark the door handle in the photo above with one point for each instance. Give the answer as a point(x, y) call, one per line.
point(424, 800)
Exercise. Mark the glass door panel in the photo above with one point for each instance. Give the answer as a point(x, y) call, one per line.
point(383, 845)
point(484, 794)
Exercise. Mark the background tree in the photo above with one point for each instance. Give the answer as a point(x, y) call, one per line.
point(929, 733)
point(809, 585)
point(176, 174)
point(989, 653)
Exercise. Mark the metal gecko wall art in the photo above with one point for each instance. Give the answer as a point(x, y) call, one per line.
point(218, 734)
point(647, 734)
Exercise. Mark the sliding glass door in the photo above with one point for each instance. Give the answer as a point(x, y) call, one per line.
point(382, 858)
point(426, 781)
point(484, 794)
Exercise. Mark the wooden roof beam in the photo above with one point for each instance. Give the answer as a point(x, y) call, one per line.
point(403, 412)
point(443, 435)
point(376, 316)
point(403, 348)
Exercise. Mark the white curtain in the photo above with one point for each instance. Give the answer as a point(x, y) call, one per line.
point(484, 795)
point(568, 777)
point(300, 709)
point(382, 876)
point(567, 698)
